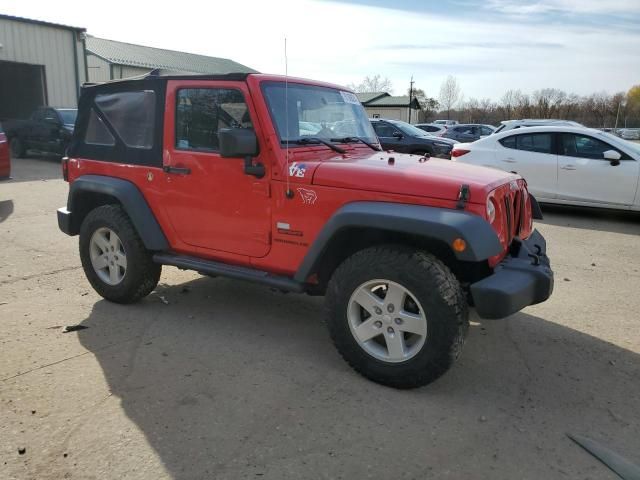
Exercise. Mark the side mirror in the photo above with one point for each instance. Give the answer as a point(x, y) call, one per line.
point(237, 142)
point(613, 156)
point(241, 142)
point(398, 135)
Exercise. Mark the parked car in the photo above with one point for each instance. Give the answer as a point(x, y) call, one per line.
point(398, 245)
point(446, 122)
point(48, 130)
point(436, 130)
point(629, 133)
point(5, 158)
point(468, 132)
point(565, 165)
point(406, 138)
point(533, 122)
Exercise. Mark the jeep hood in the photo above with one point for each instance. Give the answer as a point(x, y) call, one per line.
point(409, 175)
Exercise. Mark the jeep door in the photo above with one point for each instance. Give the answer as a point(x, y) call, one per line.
point(211, 203)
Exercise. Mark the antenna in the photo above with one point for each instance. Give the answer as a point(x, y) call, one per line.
point(289, 192)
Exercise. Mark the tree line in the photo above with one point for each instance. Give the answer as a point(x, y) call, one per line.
point(599, 110)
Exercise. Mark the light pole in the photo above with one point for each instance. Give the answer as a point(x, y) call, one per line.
point(410, 96)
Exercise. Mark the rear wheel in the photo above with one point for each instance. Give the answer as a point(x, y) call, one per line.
point(17, 148)
point(114, 259)
point(397, 316)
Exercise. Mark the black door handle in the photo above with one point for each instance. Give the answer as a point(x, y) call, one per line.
point(178, 170)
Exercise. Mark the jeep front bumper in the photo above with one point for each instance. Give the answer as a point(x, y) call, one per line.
point(523, 278)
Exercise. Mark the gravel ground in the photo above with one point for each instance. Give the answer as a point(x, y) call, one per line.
point(230, 380)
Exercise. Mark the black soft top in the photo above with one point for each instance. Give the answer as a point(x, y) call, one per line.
point(159, 75)
point(125, 117)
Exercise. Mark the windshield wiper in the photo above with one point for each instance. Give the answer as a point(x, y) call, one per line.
point(312, 140)
point(372, 146)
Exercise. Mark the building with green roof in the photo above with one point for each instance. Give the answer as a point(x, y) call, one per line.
point(110, 60)
point(384, 105)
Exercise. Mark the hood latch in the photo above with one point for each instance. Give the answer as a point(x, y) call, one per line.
point(463, 196)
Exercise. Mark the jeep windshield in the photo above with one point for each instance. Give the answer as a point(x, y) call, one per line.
point(319, 114)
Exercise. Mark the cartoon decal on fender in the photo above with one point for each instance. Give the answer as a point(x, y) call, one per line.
point(308, 196)
point(297, 170)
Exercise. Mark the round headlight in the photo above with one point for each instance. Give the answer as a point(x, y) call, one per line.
point(491, 211)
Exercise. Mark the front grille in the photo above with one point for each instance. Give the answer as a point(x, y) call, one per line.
point(508, 212)
point(514, 210)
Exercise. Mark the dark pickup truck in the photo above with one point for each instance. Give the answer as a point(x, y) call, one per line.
point(48, 130)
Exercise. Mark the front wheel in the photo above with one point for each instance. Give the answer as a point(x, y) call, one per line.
point(397, 316)
point(114, 259)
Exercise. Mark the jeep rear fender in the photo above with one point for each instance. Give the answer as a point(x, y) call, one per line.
point(435, 224)
point(127, 194)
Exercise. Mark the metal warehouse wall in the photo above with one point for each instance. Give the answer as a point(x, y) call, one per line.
point(52, 47)
point(124, 71)
point(102, 71)
point(99, 69)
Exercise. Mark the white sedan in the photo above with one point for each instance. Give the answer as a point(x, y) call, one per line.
point(563, 164)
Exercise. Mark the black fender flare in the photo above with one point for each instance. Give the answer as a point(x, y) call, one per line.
point(130, 198)
point(435, 223)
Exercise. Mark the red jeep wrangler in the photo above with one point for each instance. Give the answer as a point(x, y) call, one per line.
point(281, 181)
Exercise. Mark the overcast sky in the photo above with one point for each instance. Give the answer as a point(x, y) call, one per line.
point(580, 46)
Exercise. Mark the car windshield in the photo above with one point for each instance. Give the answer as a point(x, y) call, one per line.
point(303, 111)
point(68, 116)
point(409, 129)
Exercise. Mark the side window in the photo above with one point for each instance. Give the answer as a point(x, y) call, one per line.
point(38, 115)
point(97, 132)
point(584, 146)
point(201, 112)
point(536, 142)
point(383, 130)
point(50, 116)
point(508, 142)
point(485, 131)
point(131, 114)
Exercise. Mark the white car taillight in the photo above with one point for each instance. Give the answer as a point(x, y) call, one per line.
point(458, 152)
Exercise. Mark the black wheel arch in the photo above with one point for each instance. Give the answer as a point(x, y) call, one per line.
point(91, 191)
point(359, 225)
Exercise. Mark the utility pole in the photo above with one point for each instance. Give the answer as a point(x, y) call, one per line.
point(410, 96)
point(615, 128)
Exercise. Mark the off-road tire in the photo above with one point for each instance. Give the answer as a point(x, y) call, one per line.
point(142, 274)
point(17, 148)
point(436, 289)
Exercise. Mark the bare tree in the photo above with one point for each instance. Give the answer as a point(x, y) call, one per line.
point(596, 110)
point(449, 94)
point(509, 101)
point(372, 84)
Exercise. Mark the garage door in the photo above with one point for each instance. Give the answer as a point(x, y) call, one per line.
point(22, 89)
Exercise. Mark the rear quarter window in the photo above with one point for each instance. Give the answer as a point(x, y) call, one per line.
point(131, 114)
point(536, 142)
